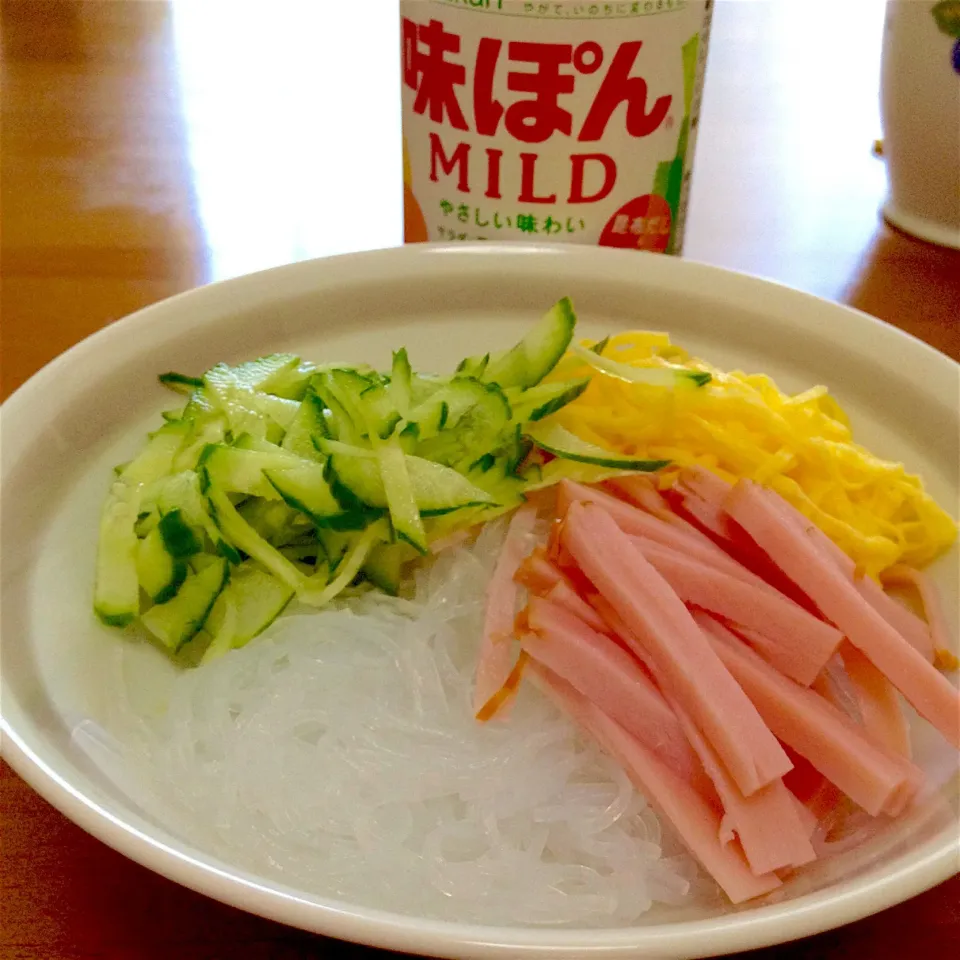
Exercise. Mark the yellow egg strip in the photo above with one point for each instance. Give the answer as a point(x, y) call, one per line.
point(743, 425)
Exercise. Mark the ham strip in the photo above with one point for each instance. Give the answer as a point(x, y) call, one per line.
point(691, 670)
point(708, 514)
point(910, 626)
point(609, 677)
point(640, 524)
point(707, 508)
point(496, 660)
point(643, 494)
point(543, 579)
point(877, 780)
point(818, 796)
point(772, 833)
point(793, 640)
point(704, 483)
point(563, 595)
point(932, 608)
point(931, 694)
point(878, 702)
point(696, 821)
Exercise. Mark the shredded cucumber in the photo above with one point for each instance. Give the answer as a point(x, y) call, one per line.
point(281, 478)
point(663, 376)
point(562, 443)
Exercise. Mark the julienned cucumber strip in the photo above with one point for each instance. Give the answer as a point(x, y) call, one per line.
point(180, 382)
point(349, 567)
point(205, 429)
point(180, 619)
point(160, 573)
point(305, 489)
point(540, 477)
point(473, 366)
point(116, 598)
point(241, 535)
point(178, 537)
point(309, 422)
point(156, 459)
point(401, 383)
point(562, 443)
point(242, 471)
point(666, 376)
point(277, 522)
point(384, 564)
point(249, 603)
point(436, 488)
point(538, 352)
point(545, 398)
point(253, 374)
point(400, 497)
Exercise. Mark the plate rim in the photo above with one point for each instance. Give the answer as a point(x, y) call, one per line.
point(806, 915)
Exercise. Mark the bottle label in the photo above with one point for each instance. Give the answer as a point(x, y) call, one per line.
point(561, 121)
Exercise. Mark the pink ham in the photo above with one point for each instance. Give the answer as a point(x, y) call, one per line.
point(694, 818)
point(691, 670)
point(878, 702)
point(643, 494)
point(812, 789)
point(563, 595)
point(898, 616)
point(761, 514)
point(932, 608)
point(709, 515)
point(793, 640)
point(704, 483)
point(496, 659)
point(543, 579)
point(809, 821)
point(609, 677)
point(772, 832)
point(876, 779)
point(704, 502)
point(537, 573)
point(835, 687)
point(637, 523)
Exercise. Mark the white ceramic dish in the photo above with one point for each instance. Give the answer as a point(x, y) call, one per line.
point(89, 408)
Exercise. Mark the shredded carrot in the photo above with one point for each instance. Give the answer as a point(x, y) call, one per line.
point(944, 660)
point(506, 693)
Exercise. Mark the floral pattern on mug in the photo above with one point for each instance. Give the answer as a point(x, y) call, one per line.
point(947, 15)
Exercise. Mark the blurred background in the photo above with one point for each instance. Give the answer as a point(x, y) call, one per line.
point(150, 146)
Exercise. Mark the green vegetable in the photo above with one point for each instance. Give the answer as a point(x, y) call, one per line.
point(178, 620)
point(947, 15)
point(665, 376)
point(534, 356)
point(282, 479)
point(561, 443)
point(117, 593)
point(180, 382)
point(249, 603)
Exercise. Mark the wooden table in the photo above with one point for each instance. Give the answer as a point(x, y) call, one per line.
point(149, 147)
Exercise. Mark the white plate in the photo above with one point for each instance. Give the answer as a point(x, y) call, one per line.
point(89, 408)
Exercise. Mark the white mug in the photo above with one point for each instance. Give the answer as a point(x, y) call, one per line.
point(920, 106)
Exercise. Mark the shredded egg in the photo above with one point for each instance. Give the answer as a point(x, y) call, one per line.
point(743, 425)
